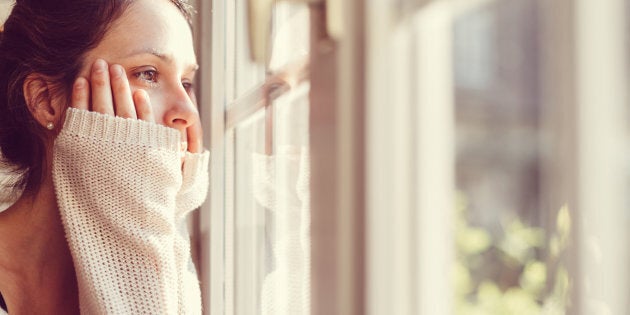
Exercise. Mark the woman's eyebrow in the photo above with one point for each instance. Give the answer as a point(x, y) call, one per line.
point(168, 58)
point(148, 51)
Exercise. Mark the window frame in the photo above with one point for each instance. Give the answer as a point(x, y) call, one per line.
point(222, 110)
point(348, 149)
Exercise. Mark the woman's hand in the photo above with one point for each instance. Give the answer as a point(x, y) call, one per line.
point(108, 92)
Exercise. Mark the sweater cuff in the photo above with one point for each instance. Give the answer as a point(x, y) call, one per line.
point(195, 183)
point(83, 123)
point(195, 163)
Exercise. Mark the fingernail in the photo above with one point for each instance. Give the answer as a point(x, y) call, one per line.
point(145, 95)
point(79, 83)
point(100, 65)
point(116, 71)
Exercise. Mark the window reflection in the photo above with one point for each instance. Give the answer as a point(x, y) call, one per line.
point(508, 261)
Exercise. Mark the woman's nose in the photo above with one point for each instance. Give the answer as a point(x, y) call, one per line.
point(181, 111)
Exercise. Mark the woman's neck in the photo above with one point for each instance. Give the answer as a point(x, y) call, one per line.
point(36, 270)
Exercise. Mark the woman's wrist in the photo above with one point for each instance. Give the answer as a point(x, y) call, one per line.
point(102, 127)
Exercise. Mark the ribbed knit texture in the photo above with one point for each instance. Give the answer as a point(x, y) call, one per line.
point(123, 195)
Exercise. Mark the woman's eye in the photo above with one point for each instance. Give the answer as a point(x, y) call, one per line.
point(147, 75)
point(188, 86)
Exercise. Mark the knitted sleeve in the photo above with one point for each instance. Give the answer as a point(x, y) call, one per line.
point(190, 196)
point(118, 184)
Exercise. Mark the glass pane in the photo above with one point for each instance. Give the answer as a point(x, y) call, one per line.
point(286, 194)
point(247, 75)
point(250, 218)
point(290, 38)
point(289, 41)
point(508, 243)
point(270, 249)
point(272, 211)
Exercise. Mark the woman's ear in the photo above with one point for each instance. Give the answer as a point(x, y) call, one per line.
point(40, 101)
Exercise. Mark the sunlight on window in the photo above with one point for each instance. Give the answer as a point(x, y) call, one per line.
point(504, 274)
point(509, 260)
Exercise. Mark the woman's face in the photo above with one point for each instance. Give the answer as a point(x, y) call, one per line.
point(153, 43)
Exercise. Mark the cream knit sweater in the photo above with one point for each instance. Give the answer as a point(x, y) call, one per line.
point(123, 194)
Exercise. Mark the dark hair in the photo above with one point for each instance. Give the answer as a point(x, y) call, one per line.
point(49, 38)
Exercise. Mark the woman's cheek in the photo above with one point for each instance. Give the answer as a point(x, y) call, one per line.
point(157, 105)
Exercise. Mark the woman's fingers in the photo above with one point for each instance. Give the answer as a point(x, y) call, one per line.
point(111, 93)
point(123, 103)
point(102, 101)
point(81, 94)
point(195, 137)
point(143, 105)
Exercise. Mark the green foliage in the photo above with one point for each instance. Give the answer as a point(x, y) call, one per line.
point(502, 273)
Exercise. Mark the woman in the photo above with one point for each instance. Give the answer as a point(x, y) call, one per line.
point(98, 119)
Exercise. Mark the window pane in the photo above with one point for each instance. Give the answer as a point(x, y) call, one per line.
point(272, 210)
point(247, 74)
point(251, 257)
point(290, 38)
point(270, 248)
point(282, 188)
point(508, 243)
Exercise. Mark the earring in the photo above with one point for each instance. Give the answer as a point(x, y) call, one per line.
point(50, 125)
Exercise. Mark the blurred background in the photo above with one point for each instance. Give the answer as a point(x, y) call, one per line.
point(414, 156)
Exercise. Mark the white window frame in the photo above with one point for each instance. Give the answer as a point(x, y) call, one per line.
point(212, 95)
point(213, 223)
point(585, 84)
point(357, 215)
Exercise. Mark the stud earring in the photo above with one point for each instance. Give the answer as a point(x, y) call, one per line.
point(50, 126)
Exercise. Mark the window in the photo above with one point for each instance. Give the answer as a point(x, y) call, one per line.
point(434, 157)
point(259, 251)
point(517, 153)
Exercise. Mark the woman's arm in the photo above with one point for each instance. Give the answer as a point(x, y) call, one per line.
point(123, 193)
point(116, 192)
point(190, 197)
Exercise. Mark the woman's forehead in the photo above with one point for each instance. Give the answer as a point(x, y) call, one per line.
point(157, 25)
